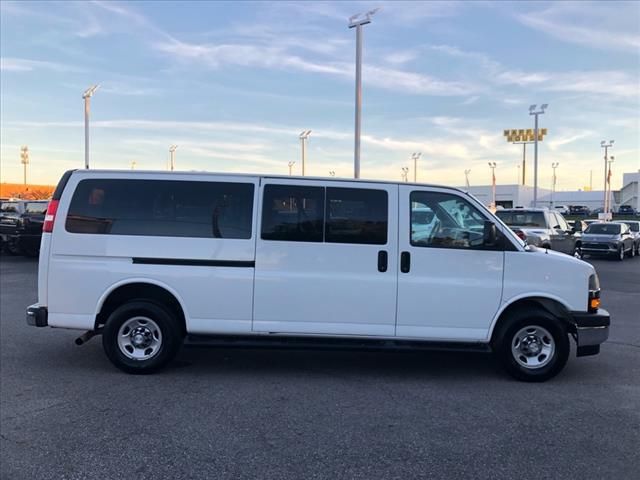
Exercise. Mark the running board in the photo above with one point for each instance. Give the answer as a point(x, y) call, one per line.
point(328, 343)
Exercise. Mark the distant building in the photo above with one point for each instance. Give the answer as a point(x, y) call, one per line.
point(509, 196)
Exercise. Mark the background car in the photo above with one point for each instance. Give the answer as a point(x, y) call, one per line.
point(626, 210)
point(608, 238)
point(21, 226)
point(542, 228)
point(563, 209)
point(579, 210)
point(634, 226)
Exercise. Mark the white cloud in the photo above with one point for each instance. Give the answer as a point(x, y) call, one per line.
point(604, 25)
point(11, 64)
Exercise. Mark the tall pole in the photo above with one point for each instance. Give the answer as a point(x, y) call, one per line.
point(415, 156)
point(492, 166)
point(291, 164)
point(466, 177)
point(606, 146)
point(304, 136)
point(24, 159)
point(172, 151)
point(535, 113)
point(609, 199)
point(524, 161)
point(87, 105)
point(405, 174)
point(358, 21)
point(553, 185)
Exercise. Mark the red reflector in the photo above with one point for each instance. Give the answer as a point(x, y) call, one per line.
point(50, 216)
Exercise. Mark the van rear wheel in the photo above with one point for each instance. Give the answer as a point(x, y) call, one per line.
point(533, 346)
point(141, 337)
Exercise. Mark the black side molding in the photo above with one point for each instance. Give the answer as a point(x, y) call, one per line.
point(194, 262)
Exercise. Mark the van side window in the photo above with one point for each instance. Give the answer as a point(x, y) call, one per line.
point(166, 208)
point(356, 215)
point(293, 213)
point(444, 220)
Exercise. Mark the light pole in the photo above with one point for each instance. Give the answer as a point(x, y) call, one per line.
point(606, 146)
point(535, 113)
point(357, 21)
point(24, 160)
point(553, 185)
point(492, 166)
point(133, 165)
point(466, 177)
point(405, 173)
point(87, 105)
point(172, 152)
point(304, 136)
point(610, 161)
point(415, 156)
point(332, 173)
point(291, 164)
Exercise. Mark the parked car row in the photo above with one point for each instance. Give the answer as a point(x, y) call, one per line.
point(578, 210)
point(548, 229)
point(21, 226)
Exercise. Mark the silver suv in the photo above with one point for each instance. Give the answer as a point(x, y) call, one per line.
point(543, 228)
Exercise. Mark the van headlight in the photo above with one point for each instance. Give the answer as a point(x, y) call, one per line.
point(594, 293)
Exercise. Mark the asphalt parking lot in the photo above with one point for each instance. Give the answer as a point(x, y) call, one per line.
point(67, 413)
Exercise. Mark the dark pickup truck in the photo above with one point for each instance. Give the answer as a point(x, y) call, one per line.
point(21, 226)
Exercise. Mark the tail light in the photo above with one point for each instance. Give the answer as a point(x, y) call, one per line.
point(50, 216)
point(520, 234)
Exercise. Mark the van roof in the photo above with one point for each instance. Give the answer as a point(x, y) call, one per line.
point(258, 175)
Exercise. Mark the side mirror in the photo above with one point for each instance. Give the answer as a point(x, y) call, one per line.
point(489, 234)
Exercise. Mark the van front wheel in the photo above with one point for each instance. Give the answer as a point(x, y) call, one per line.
point(533, 346)
point(141, 337)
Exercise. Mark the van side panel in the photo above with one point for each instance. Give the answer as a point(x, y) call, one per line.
point(212, 277)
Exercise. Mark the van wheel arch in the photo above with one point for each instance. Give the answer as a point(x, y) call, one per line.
point(140, 291)
point(553, 307)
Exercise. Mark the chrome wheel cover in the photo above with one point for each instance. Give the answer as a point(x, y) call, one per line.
point(139, 338)
point(533, 347)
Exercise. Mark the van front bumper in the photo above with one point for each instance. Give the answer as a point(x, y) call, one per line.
point(592, 329)
point(37, 315)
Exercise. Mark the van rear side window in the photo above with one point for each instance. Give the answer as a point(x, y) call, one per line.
point(164, 208)
point(356, 215)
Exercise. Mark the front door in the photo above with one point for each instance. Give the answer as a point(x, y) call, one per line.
point(326, 258)
point(450, 283)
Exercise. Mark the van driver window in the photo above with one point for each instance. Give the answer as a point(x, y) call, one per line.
point(445, 220)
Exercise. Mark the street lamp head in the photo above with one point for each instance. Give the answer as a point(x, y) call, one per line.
point(305, 134)
point(611, 142)
point(544, 106)
point(532, 108)
point(602, 143)
point(90, 91)
point(172, 148)
point(361, 18)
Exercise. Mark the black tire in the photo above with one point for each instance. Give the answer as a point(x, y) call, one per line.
point(621, 254)
point(537, 320)
point(168, 331)
point(577, 251)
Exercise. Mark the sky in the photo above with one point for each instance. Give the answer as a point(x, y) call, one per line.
point(234, 83)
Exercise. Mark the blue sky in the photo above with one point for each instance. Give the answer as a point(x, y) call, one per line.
point(232, 84)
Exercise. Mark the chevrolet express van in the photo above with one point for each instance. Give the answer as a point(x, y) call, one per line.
point(149, 259)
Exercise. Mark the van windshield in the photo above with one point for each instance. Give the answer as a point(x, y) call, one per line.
point(522, 219)
point(604, 228)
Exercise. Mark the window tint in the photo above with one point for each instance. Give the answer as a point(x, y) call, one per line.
point(293, 213)
point(37, 207)
point(9, 207)
point(356, 215)
point(445, 220)
point(166, 208)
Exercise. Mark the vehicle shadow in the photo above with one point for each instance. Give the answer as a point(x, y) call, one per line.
point(337, 363)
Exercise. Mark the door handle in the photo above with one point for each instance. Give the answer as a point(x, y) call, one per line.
point(382, 261)
point(405, 262)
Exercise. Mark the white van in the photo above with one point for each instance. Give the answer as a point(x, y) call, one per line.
point(149, 258)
